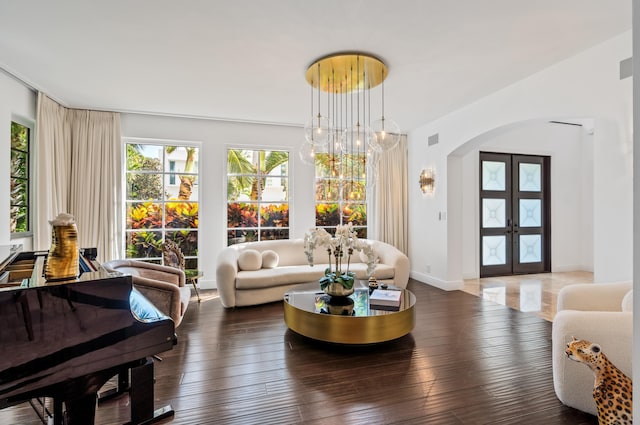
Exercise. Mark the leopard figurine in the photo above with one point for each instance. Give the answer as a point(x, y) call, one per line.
point(612, 389)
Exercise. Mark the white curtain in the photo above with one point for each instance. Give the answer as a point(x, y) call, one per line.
point(79, 165)
point(53, 168)
point(390, 197)
point(96, 197)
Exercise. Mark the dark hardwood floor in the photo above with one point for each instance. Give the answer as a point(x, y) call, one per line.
point(468, 361)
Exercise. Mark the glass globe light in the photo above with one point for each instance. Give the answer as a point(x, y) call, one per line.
point(307, 153)
point(387, 133)
point(317, 130)
point(336, 143)
point(359, 139)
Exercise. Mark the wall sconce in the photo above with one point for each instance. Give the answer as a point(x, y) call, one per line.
point(427, 181)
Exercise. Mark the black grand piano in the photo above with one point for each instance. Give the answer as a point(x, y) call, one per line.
point(65, 340)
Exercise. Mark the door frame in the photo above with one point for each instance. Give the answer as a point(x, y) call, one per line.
point(512, 230)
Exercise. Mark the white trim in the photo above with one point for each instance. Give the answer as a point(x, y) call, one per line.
point(438, 283)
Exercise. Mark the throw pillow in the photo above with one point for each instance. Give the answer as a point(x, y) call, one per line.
point(270, 259)
point(250, 260)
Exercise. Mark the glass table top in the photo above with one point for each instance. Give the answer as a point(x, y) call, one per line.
point(309, 297)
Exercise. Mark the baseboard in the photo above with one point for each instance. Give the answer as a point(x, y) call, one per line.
point(466, 276)
point(438, 283)
point(207, 284)
point(571, 268)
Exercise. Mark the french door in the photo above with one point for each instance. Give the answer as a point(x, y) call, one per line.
point(515, 225)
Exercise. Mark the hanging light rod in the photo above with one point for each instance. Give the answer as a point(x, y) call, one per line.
point(372, 72)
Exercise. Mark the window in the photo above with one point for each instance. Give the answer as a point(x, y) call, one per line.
point(157, 209)
point(257, 195)
point(19, 202)
point(341, 191)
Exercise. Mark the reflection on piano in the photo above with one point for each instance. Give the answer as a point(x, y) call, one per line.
point(66, 339)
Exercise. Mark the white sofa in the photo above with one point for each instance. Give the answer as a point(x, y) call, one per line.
point(238, 287)
point(601, 313)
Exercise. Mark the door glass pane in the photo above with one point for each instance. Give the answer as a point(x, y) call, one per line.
point(530, 177)
point(530, 213)
point(493, 212)
point(493, 175)
point(493, 250)
point(530, 248)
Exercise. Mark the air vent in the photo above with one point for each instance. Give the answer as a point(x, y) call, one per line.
point(626, 68)
point(433, 139)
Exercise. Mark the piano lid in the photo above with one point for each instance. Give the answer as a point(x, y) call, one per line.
point(51, 333)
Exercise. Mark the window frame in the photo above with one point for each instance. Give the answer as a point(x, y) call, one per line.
point(30, 125)
point(165, 175)
point(258, 202)
point(341, 200)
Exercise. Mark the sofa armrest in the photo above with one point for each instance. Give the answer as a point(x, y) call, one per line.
point(148, 270)
point(573, 382)
point(164, 295)
point(593, 296)
point(226, 272)
point(392, 256)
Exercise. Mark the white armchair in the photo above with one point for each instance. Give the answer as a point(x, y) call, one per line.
point(601, 313)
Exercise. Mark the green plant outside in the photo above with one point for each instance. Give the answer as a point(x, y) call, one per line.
point(341, 191)
point(19, 181)
point(151, 220)
point(248, 173)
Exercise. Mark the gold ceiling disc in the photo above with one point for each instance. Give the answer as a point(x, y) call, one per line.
point(346, 72)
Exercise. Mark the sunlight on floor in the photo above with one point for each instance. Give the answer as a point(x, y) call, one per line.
point(532, 293)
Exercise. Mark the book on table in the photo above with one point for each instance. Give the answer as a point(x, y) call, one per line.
point(385, 298)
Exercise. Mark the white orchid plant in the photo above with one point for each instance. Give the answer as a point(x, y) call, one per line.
point(343, 244)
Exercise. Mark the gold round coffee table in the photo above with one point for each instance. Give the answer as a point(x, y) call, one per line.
point(305, 313)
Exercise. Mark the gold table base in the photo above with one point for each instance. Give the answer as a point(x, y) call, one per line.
point(371, 329)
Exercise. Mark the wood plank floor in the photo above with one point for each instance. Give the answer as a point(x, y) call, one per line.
point(468, 361)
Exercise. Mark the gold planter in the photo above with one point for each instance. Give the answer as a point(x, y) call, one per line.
point(62, 260)
point(337, 290)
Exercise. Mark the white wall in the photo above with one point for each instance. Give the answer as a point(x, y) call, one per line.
point(17, 103)
point(636, 200)
point(215, 137)
point(584, 86)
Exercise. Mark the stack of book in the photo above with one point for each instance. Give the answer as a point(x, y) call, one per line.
point(385, 299)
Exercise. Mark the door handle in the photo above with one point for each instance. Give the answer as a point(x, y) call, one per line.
point(508, 226)
point(515, 227)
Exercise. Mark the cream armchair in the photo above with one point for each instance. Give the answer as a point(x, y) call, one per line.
point(162, 285)
point(601, 313)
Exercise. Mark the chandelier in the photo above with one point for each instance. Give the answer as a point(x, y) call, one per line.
point(343, 126)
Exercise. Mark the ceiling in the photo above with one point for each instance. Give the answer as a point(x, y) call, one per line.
point(245, 60)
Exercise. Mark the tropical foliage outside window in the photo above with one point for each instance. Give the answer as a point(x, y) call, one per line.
point(19, 189)
point(161, 201)
point(341, 191)
point(257, 195)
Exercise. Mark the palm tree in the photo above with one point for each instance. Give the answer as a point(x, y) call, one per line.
point(237, 163)
point(186, 182)
point(251, 173)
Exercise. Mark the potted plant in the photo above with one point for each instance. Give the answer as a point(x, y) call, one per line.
point(338, 280)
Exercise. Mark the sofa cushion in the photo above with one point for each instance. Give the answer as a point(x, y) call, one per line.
point(269, 259)
point(287, 275)
point(283, 275)
point(250, 259)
